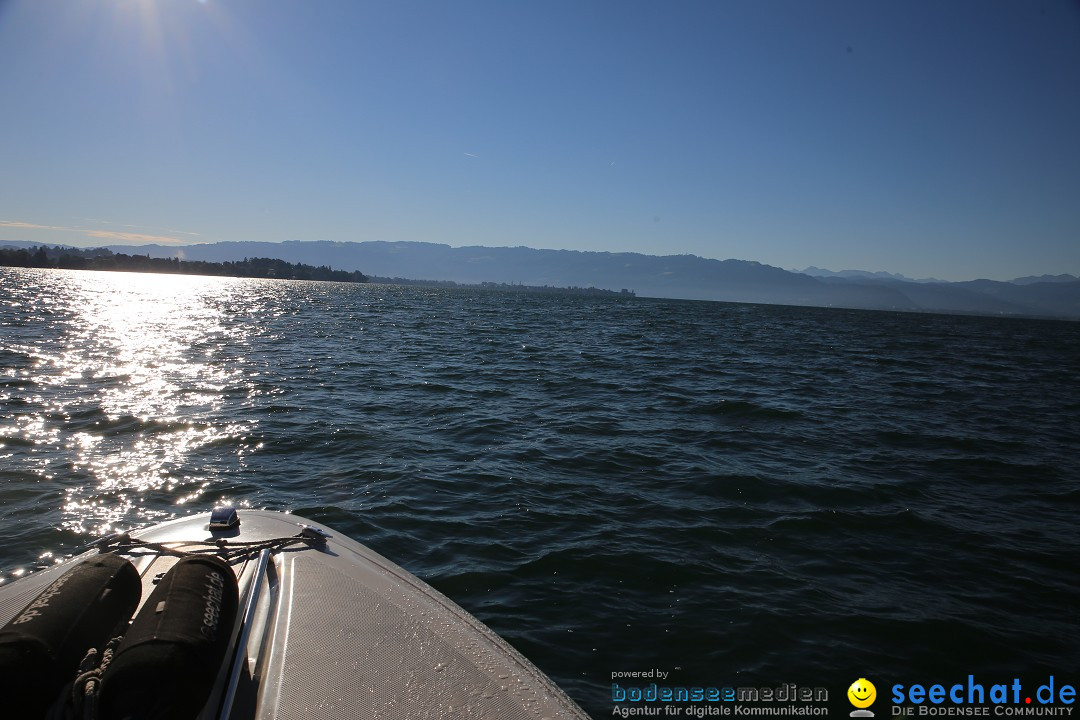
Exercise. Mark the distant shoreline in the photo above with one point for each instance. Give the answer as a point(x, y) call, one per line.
point(102, 259)
point(506, 287)
point(105, 260)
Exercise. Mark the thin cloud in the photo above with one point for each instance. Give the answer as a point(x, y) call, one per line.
point(171, 231)
point(29, 226)
point(471, 155)
point(133, 237)
point(126, 237)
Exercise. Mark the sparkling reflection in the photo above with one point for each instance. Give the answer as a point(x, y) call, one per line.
point(120, 389)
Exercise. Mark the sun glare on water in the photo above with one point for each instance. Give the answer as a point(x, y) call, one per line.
point(132, 389)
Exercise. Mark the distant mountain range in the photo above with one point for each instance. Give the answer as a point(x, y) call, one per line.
point(862, 275)
point(673, 276)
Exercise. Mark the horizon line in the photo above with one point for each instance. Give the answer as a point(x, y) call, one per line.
point(176, 244)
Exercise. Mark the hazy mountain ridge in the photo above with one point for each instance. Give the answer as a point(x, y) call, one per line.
point(674, 276)
point(814, 271)
point(1032, 279)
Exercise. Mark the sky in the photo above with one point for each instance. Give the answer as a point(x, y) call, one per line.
point(928, 138)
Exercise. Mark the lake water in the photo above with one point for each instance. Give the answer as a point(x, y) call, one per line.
point(735, 494)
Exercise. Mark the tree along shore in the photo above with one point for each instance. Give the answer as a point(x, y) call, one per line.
point(104, 259)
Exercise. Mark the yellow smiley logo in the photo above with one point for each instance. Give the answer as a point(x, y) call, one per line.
point(862, 693)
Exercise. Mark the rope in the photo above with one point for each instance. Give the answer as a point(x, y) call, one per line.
point(221, 547)
point(87, 685)
point(79, 699)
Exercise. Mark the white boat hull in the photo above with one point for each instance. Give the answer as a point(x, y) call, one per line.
point(338, 631)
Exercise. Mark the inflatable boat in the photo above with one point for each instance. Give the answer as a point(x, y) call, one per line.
point(252, 615)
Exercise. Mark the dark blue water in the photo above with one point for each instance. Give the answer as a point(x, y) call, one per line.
point(736, 494)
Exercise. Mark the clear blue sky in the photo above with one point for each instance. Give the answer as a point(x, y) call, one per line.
point(922, 137)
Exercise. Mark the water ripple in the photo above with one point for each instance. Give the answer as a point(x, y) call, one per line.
point(735, 490)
